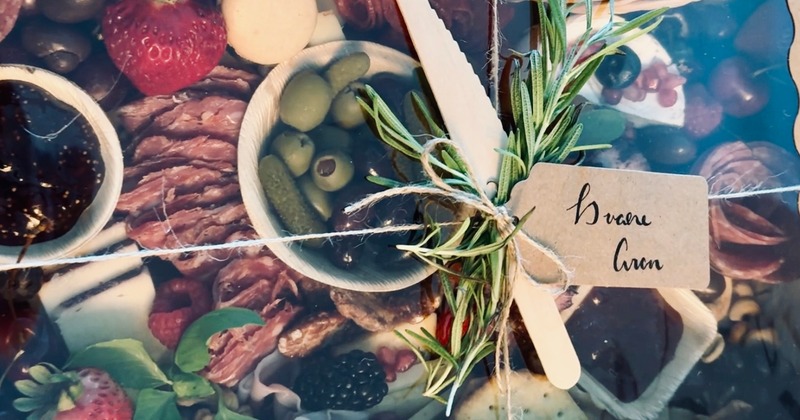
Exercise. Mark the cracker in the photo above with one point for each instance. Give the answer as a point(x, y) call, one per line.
point(532, 397)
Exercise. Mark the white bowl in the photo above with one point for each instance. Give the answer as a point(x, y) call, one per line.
point(95, 217)
point(259, 119)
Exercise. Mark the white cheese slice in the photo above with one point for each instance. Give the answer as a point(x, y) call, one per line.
point(65, 285)
point(647, 47)
point(109, 236)
point(640, 114)
point(648, 111)
point(118, 312)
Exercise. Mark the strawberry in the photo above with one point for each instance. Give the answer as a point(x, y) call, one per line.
point(164, 45)
point(86, 394)
point(99, 397)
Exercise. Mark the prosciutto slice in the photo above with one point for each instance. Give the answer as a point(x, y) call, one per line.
point(199, 148)
point(215, 116)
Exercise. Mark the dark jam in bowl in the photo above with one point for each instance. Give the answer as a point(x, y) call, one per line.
point(624, 337)
point(50, 165)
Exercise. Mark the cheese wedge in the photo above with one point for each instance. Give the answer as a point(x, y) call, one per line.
point(104, 300)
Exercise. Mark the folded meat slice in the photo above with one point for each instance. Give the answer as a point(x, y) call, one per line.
point(229, 73)
point(155, 188)
point(263, 284)
point(134, 174)
point(215, 116)
point(228, 81)
point(254, 282)
point(235, 352)
point(195, 226)
point(201, 265)
point(138, 114)
point(199, 148)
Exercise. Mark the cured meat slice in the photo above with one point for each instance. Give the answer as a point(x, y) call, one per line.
point(200, 148)
point(190, 227)
point(384, 311)
point(229, 73)
point(138, 114)
point(215, 116)
point(155, 187)
point(253, 282)
point(210, 196)
point(136, 173)
point(235, 352)
point(203, 265)
point(312, 333)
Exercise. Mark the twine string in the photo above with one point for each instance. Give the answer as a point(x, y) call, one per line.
point(478, 202)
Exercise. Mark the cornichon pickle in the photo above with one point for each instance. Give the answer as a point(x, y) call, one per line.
point(294, 211)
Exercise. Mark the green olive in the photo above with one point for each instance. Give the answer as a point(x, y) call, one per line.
point(332, 171)
point(345, 109)
point(305, 101)
point(347, 69)
point(328, 137)
point(319, 199)
point(295, 149)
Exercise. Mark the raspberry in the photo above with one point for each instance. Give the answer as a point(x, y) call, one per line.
point(177, 304)
point(703, 113)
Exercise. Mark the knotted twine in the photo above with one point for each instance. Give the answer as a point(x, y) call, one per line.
point(511, 235)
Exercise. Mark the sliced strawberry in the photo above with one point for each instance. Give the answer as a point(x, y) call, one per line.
point(164, 45)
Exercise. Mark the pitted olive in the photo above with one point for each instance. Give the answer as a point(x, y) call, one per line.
point(295, 149)
point(70, 11)
point(62, 47)
point(345, 109)
point(332, 171)
point(305, 101)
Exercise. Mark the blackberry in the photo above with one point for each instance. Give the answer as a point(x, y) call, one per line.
point(353, 381)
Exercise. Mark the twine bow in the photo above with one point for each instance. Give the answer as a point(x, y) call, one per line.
point(479, 202)
point(511, 237)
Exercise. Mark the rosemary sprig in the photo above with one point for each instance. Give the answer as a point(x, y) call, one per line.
point(545, 129)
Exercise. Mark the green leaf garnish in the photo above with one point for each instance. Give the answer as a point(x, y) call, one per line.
point(191, 386)
point(192, 352)
point(155, 404)
point(125, 360)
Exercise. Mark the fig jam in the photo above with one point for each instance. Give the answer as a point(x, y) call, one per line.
point(624, 337)
point(50, 165)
